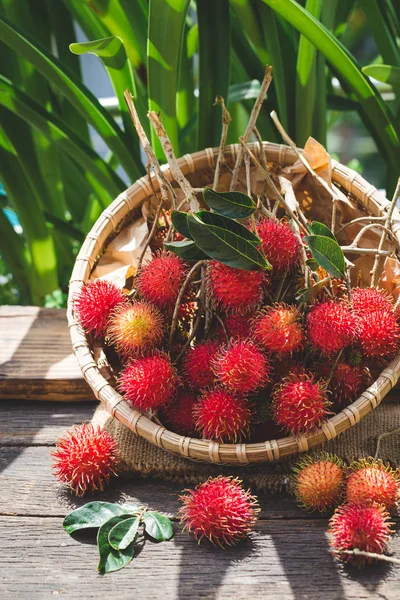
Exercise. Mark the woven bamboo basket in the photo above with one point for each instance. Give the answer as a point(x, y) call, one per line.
point(200, 166)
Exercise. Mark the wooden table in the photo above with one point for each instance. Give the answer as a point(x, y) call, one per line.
point(286, 557)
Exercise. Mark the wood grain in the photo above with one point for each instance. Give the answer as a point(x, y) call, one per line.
point(36, 358)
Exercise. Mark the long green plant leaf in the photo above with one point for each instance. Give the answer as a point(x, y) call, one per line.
point(76, 93)
point(348, 70)
point(384, 73)
point(164, 47)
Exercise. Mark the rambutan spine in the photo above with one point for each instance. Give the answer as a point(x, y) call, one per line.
point(234, 290)
point(197, 364)
point(318, 481)
point(241, 367)
point(135, 328)
point(160, 279)
point(331, 326)
point(371, 481)
point(95, 303)
point(277, 329)
point(222, 416)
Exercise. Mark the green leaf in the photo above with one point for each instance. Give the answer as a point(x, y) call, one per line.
point(70, 87)
point(110, 559)
point(158, 526)
point(164, 47)
point(318, 228)
point(248, 90)
point(214, 68)
point(234, 205)
point(384, 73)
point(123, 533)
point(226, 223)
point(312, 263)
point(186, 249)
point(327, 253)
point(180, 222)
point(95, 514)
point(225, 246)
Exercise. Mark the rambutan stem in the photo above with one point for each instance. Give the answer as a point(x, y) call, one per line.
point(388, 223)
point(252, 123)
point(180, 297)
point(333, 369)
point(226, 119)
point(372, 555)
point(196, 324)
point(381, 437)
point(263, 162)
point(171, 158)
point(359, 220)
point(155, 222)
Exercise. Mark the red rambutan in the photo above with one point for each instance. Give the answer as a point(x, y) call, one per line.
point(378, 334)
point(319, 481)
point(366, 528)
point(367, 300)
point(178, 416)
point(149, 382)
point(300, 403)
point(281, 246)
point(196, 365)
point(95, 303)
point(237, 326)
point(234, 290)
point(277, 329)
point(222, 416)
point(331, 326)
point(219, 510)
point(373, 482)
point(160, 280)
point(85, 458)
point(347, 381)
point(241, 367)
point(135, 328)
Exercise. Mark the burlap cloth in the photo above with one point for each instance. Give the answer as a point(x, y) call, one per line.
point(146, 460)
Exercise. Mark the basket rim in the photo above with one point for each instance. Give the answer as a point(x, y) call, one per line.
point(195, 448)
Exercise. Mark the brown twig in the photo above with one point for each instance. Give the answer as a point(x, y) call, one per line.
point(180, 296)
point(221, 322)
point(252, 123)
point(359, 220)
point(366, 228)
point(172, 161)
point(226, 119)
point(307, 165)
point(353, 250)
point(197, 322)
point(384, 232)
point(155, 222)
point(263, 162)
point(381, 437)
point(372, 555)
point(333, 368)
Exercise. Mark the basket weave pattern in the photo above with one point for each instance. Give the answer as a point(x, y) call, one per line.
point(196, 449)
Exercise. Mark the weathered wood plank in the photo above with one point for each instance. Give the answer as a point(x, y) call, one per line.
point(285, 560)
point(29, 488)
point(36, 358)
point(24, 423)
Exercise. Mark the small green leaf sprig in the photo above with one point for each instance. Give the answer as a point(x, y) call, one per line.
point(120, 528)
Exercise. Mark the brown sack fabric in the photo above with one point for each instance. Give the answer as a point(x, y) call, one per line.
point(146, 460)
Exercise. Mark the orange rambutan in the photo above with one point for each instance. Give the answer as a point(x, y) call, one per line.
point(241, 367)
point(178, 416)
point(367, 300)
point(219, 510)
point(318, 481)
point(197, 364)
point(234, 290)
point(149, 382)
point(300, 403)
point(277, 329)
point(378, 334)
point(95, 303)
point(135, 328)
point(331, 326)
point(366, 528)
point(279, 243)
point(222, 416)
point(85, 458)
point(160, 279)
point(372, 482)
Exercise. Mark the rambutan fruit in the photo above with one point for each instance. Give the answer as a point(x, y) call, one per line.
point(378, 334)
point(234, 290)
point(237, 326)
point(331, 326)
point(277, 329)
point(85, 458)
point(222, 416)
point(281, 246)
point(160, 279)
point(347, 381)
point(150, 382)
point(300, 403)
point(241, 367)
point(318, 481)
point(372, 482)
point(219, 510)
point(135, 328)
point(367, 300)
point(366, 528)
point(197, 365)
point(178, 416)
point(95, 303)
